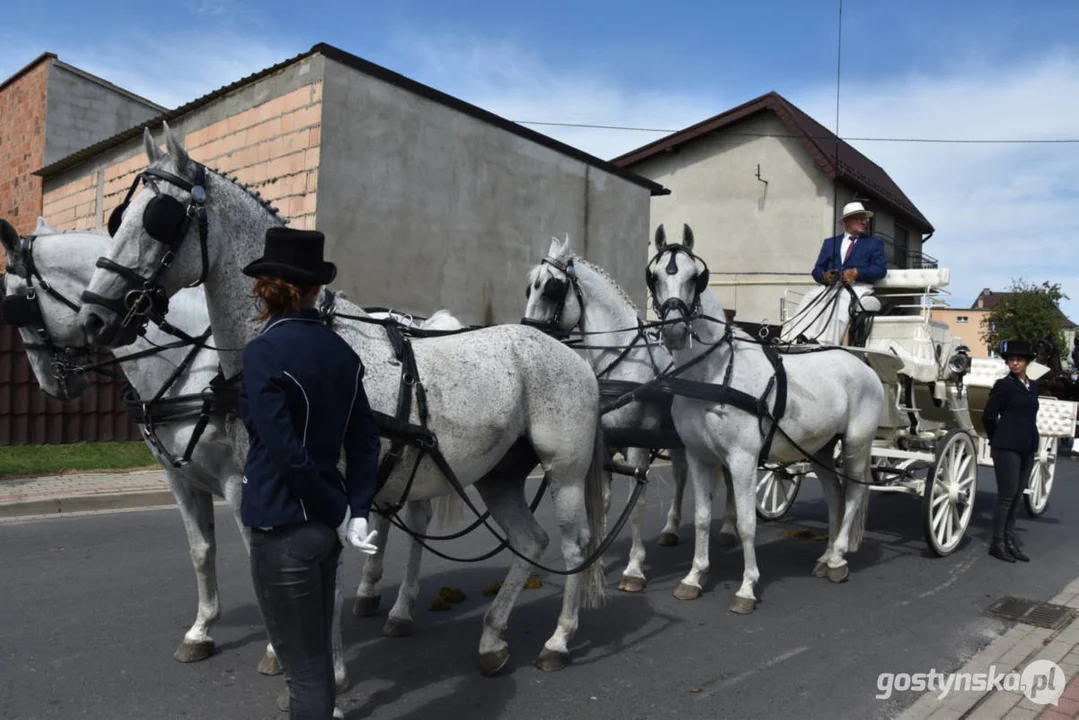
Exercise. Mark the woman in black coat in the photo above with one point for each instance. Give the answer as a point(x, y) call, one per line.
point(1010, 420)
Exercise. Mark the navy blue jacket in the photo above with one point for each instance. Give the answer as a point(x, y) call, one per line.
point(868, 256)
point(302, 400)
point(1011, 415)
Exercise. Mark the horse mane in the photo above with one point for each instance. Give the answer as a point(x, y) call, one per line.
point(232, 179)
point(577, 259)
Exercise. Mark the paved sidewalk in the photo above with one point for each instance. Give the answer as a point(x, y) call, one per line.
point(80, 492)
point(1014, 651)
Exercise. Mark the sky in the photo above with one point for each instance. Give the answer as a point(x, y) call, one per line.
point(919, 69)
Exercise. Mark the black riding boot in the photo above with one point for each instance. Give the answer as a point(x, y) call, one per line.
point(999, 550)
point(1012, 546)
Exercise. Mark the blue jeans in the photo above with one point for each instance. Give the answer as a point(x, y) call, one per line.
point(294, 569)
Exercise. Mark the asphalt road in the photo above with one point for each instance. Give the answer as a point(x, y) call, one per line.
point(93, 607)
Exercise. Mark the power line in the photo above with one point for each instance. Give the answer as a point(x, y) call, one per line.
point(956, 141)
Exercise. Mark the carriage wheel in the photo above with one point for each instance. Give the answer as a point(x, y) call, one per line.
point(1036, 497)
point(776, 491)
point(948, 498)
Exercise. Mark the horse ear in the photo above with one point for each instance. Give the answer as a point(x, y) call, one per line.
point(661, 238)
point(565, 245)
point(153, 152)
point(176, 150)
point(556, 246)
point(10, 239)
point(687, 236)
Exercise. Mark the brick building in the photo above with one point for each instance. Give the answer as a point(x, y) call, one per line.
point(48, 110)
point(426, 201)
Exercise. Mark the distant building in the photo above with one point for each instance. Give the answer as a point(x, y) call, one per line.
point(966, 323)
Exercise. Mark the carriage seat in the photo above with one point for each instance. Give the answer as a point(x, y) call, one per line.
point(914, 279)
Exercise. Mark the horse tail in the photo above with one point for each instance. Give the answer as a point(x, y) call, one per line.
point(447, 510)
point(594, 587)
point(861, 517)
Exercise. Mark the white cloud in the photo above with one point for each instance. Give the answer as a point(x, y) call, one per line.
point(1000, 211)
point(169, 69)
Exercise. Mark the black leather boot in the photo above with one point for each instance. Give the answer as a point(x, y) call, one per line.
point(999, 550)
point(1012, 547)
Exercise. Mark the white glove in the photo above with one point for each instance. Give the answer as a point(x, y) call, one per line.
point(359, 538)
point(353, 531)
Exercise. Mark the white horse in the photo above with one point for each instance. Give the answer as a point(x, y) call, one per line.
point(55, 341)
point(831, 396)
point(566, 292)
point(500, 399)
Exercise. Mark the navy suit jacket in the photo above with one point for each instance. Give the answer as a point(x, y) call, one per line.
point(868, 256)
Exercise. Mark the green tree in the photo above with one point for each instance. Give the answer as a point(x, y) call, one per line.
point(1028, 312)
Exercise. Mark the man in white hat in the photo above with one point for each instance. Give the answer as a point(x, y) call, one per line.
point(854, 260)
point(854, 256)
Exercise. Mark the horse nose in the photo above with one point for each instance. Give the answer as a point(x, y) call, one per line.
point(95, 326)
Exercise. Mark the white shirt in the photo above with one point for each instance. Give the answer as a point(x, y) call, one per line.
point(843, 248)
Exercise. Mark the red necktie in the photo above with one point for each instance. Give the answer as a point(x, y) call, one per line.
point(849, 250)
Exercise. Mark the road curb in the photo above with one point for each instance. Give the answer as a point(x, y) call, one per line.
point(84, 503)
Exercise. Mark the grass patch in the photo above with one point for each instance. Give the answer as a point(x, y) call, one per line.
point(33, 460)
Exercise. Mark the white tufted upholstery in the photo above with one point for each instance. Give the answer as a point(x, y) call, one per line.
point(915, 279)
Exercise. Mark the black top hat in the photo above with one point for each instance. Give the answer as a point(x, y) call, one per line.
point(295, 256)
point(1020, 348)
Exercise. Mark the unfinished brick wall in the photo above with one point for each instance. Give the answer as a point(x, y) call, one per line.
point(272, 147)
point(22, 145)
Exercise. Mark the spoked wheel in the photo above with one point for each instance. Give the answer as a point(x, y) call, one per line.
point(776, 491)
point(948, 499)
point(1036, 496)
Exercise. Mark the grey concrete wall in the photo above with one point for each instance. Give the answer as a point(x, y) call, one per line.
point(82, 110)
point(425, 207)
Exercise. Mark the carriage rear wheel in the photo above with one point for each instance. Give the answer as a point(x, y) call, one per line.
point(1036, 496)
point(948, 497)
point(776, 491)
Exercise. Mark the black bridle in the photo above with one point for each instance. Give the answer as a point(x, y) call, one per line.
point(23, 310)
point(700, 282)
point(167, 221)
point(557, 290)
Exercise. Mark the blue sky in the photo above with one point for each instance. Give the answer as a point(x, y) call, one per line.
point(955, 69)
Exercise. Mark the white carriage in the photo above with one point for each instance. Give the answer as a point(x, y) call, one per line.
point(930, 439)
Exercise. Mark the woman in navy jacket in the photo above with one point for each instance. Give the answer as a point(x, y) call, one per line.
point(1011, 423)
point(302, 402)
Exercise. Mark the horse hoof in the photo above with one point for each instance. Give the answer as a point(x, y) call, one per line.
point(194, 652)
point(820, 570)
point(366, 606)
point(839, 574)
point(492, 662)
point(687, 592)
point(551, 661)
point(743, 606)
point(631, 584)
point(728, 540)
point(396, 627)
point(269, 665)
point(340, 685)
point(668, 539)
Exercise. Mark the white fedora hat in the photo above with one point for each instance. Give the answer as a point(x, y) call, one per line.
point(855, 208)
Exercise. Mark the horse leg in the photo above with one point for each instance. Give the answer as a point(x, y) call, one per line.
point(728, 536)
point(701, 477)
point(367, 596)
point(582, 526)
point(669, 536)
point(417, 519)
point(197, 510)
point(743, 475)
point(855, 510)
point(633, 577)
point(824, 462)
point(505, 499)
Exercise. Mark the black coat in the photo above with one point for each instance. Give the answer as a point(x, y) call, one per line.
point(1011, 415)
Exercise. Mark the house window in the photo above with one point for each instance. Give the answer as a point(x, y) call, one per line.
point(962, 319)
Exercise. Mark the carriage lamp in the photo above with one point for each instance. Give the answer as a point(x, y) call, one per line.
point(960, 362)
